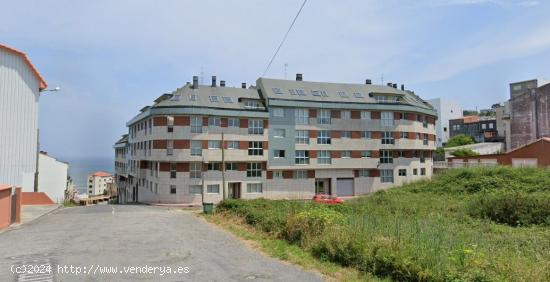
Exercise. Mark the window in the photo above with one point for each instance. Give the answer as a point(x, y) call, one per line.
point(323, 157)
point(300, 92)
point(366, 154)
point(255, 148)
point(403, 135)
point(292, 92)
point(230, 166)
point(277, 91)
point(254, 188)
point(170, 123)
point(386, 157)
point(323, 137)
point(169, 147)
point(278, 133)
point(213, 166)
point(173, 171)
point(196, 148)
point(316, 93)
point(402, 172)
point(233, 122)
point(252, 104)
point(278, 112)
point(214, 144)
point(491, 126)
point(172, 189)
point(423, 171)
point(387, 118)
point(425, 141)
point(365, 115)
point(415, 171)
point(301, 116)
point(386, 175)
point(402, 116)
point(345, 114)
point(253, 170)
point(342, 94)
point(213, 188)
point(387, 138)
point(345, 134)
point(227, 100)
point(214, 121)
point(323, 117)
point(196, 124)
point(345, 154)
point(193, 97)
point(300, 174)
point(277, 174)
point(401, 154)
point(232, 145)
point(302, 137)
point(358, 95)
point(366, 134)
point(364, 173)
point(302, 157)
point(195, 189)
point(195, 170)
point(255, 126)
point(213, 99)
point(278, 154)
point(483, 126)
point(425, 122)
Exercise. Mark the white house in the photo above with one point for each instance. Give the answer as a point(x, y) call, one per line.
point(52, 178)
point(446, 110)
point(20, 86)
point(98, 182)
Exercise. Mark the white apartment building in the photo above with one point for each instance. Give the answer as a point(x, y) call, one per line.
point(446, 110)
point(52, 178)
point(99, 182)
point(20, 86)
point(280, 139)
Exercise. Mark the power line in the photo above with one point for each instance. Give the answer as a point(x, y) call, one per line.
point(284, 38)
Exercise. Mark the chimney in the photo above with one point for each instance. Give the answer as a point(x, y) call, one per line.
point(222, 83)
point(213, 81)
point(368, 81)
point(402, 87)
point(298, 77)
point(243, 85)
point(395, 85)
point(195, 82)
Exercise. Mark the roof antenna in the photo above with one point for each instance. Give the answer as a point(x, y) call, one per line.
point(202, 76)
point(382, 79)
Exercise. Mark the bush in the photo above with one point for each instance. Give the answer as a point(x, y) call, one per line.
point(305, 225)
point(459, 140)
point(512, 208)
point(464, 153)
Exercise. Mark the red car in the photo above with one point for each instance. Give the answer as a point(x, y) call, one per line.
point(327, 199)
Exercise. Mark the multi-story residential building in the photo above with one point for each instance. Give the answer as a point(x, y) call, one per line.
point(99, 182)
point(481, 129)
point(446, 110)
point(125, 193)
point(20, 86)
point(278, 139)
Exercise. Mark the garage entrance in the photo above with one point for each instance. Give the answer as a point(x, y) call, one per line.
point(322, 186)
point(344, 187)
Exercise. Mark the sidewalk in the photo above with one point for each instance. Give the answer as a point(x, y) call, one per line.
point(32, 212)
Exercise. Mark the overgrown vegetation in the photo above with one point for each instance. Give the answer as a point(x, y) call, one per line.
point(459, 140)
point(464, 153)
point(471, 224)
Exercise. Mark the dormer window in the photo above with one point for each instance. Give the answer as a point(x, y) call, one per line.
point(213, 99)
point(386, 98)
point(193, 97)
point(358, 95)
point(252, 104)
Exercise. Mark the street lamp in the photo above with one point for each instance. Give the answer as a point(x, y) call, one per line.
point(57, 88)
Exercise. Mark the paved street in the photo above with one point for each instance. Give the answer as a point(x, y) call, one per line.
point(125, 236)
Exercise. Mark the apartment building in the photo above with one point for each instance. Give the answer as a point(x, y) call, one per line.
point(99, 182)
point(480, 128)
point(280, 139)
point(446, 110)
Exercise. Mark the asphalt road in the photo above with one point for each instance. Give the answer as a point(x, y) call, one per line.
point(99, 238)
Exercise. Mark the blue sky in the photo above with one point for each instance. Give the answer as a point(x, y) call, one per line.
point(111, 58)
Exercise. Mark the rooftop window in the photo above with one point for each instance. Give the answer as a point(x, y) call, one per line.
point(386, 99)
point(358, 95)
point(342, 94)
point(214, 98)
point(277, 91)
point(316, 93)
point(227, 99)
point(301, 92)
point(193, 97)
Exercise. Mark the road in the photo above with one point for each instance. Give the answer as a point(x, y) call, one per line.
point(123, 236)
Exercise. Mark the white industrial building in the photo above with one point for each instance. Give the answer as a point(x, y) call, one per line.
point(20, 86)
point(52, 178)
point(446, 110)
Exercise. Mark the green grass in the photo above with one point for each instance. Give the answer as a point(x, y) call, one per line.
point(473, 224)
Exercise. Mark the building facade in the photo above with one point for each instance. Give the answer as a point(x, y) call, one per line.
point(446, 110)
point(280, 139)
point(99, 182)
point(481, 129)
point(53, 177)
point(20, 86)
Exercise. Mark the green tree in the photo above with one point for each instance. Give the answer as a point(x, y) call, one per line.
point(459, 140)
point(464, 153)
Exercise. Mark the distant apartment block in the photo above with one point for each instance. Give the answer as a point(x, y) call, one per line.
point(446, 110)
point(481, 129)
point(279, 139)
point(99, 182)
point(53, 177)
point(20, 86)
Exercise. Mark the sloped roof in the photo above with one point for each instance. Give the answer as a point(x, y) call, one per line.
point(43, 85)
point(101, 174)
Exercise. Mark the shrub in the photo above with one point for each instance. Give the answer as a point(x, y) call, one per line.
point(459, 140)
point(464, 153)
point(513, 208)
point(305, 225)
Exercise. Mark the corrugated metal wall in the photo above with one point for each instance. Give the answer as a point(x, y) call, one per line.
point(18, 121)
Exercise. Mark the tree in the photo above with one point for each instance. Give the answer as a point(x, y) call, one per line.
point(459, 140)
point(464, 153)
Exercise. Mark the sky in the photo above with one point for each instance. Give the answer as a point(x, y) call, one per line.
point(111, 58)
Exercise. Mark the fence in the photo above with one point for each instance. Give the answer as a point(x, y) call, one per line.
point(10, 205)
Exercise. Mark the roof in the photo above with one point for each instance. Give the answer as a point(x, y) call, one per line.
point(471, 119)
point(101, 174)
point(226, 97)
point(123, 139)
point(43, 85)
point(335, 92)
point(543, 139)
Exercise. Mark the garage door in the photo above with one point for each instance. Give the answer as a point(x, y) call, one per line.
point(345, 187)
point(524, 162)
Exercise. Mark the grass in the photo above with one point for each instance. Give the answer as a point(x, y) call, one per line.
point(460, 226)
point(68, 203)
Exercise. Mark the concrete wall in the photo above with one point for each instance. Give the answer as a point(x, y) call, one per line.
point(536, 151)
point(52, 177)
point(18, 121)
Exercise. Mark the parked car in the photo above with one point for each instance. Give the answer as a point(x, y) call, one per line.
point(327, 199)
